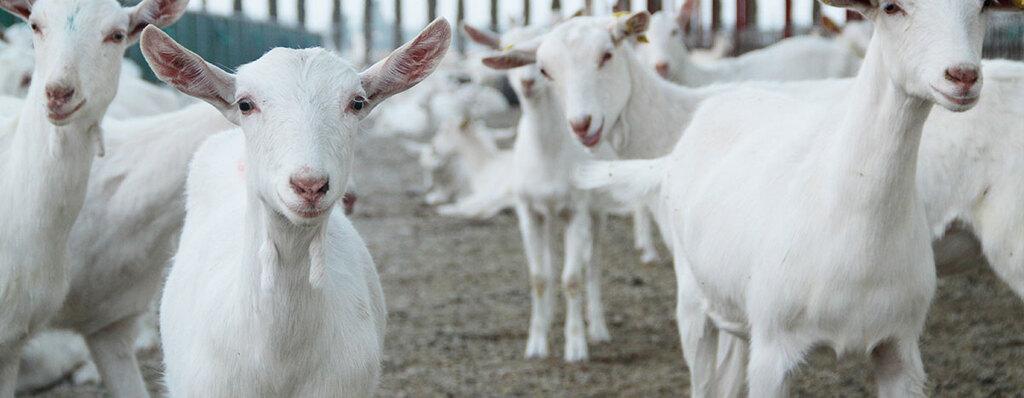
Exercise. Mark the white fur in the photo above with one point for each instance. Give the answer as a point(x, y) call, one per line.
point(47, 152)
point(793, 230)
point(274, 292)
point(797, 58)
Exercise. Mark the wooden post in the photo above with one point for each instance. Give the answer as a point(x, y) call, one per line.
point(622, 6)
point(556, 7)
point(368, 31)
point(816, 13)
point(272, 9)
point(588, 7)
point(237, 7)
point(788, 30)
point(494, 15)
point(653, 6)
point(431, 10)
point(396, 32)
point(460, 17)
point(300, 11)
point(336, 23)
point(741, 15)
point(716, 15)
point(526, 12)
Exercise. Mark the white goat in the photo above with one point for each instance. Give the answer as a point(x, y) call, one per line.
point(544, 157)
point(840, 252)
point(125, 235)
point(47, 152)
point(270, 288)
point(796, 58)
point(477, 171)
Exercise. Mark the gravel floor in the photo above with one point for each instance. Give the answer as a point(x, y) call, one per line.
point(459, 307)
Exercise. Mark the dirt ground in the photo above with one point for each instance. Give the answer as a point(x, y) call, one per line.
point(459, 307)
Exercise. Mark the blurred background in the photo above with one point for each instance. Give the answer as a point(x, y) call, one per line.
point(233, 32)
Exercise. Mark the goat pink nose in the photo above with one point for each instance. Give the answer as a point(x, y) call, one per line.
point(662, 68)
point(58, 95)
point(963, 76)
point(310, 189)
point(527, 84)
point(580, 125)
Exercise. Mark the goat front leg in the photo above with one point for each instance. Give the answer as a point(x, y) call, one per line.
point(535, 230)
point(113, 349)
point(643, 235)
point(898, 369)
point(578, 253)
point(597, 328)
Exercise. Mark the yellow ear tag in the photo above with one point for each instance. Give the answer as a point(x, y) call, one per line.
point(642, 39)
point(1019, 4)
point(507, 48)
point(620, 14)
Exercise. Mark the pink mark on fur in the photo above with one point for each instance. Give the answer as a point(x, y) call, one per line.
point(240, 166)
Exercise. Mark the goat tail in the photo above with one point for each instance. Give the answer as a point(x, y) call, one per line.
point(628, 181)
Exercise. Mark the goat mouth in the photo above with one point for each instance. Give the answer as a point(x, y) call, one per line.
point(58, 116)
point(961, 100)
point(591, 140)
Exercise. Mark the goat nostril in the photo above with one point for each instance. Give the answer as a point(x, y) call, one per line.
point(662, 68)
point(310, 188)
point(527, 83)
point(581, 124)
point(59, 94)
point(962, 75)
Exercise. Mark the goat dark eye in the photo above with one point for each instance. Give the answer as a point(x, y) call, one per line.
point(545, 73)
point(116, 37)
point(358, 103)
point(36, 28)
point(891, 8)
point(246, 106)
point(607, 56)
point(990, 3)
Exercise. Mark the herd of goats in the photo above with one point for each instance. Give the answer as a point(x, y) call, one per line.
point(807, 192)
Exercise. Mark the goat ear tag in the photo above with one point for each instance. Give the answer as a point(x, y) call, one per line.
point(620, 14)
point(1019, 4)
point(508, 48)
point(642, 39)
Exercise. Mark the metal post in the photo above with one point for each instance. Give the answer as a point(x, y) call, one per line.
point(653, 6)
point(526, 12)
point(460, 16)
point(368, 31)
point(300, 9)
point(336, 23)
point(237, 7)
point(431, 10)
point(816, 13)
point(716, 15)
point(396, 33)
point(494, 15)
point(272, 7)
point(622, 6)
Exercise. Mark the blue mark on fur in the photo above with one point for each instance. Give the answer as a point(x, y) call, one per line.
point(71, 19)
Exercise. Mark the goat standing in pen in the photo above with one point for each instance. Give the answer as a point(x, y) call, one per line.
point(271, 289)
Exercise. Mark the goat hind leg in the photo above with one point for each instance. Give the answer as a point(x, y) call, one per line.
point(597, 328)
point(578, 248)
point(113, 349)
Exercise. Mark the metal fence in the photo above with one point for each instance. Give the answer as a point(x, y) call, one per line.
point(226, 41)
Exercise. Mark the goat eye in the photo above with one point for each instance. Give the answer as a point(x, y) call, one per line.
point(891, 8)
point(36, 28)
point(605, 58)
point(246, 106)
point(116, 37)
point(989, 3)
point(545, 73)
point(358, 103)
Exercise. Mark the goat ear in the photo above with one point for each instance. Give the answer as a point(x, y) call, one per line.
point(20, 8)
point(830, 26)
point(482, 37)
point(188, 72)
point(686, 14)
point(635, 25)
point(154, 12)
point(407, 65)
point(1009, 5)
point(510, 59)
